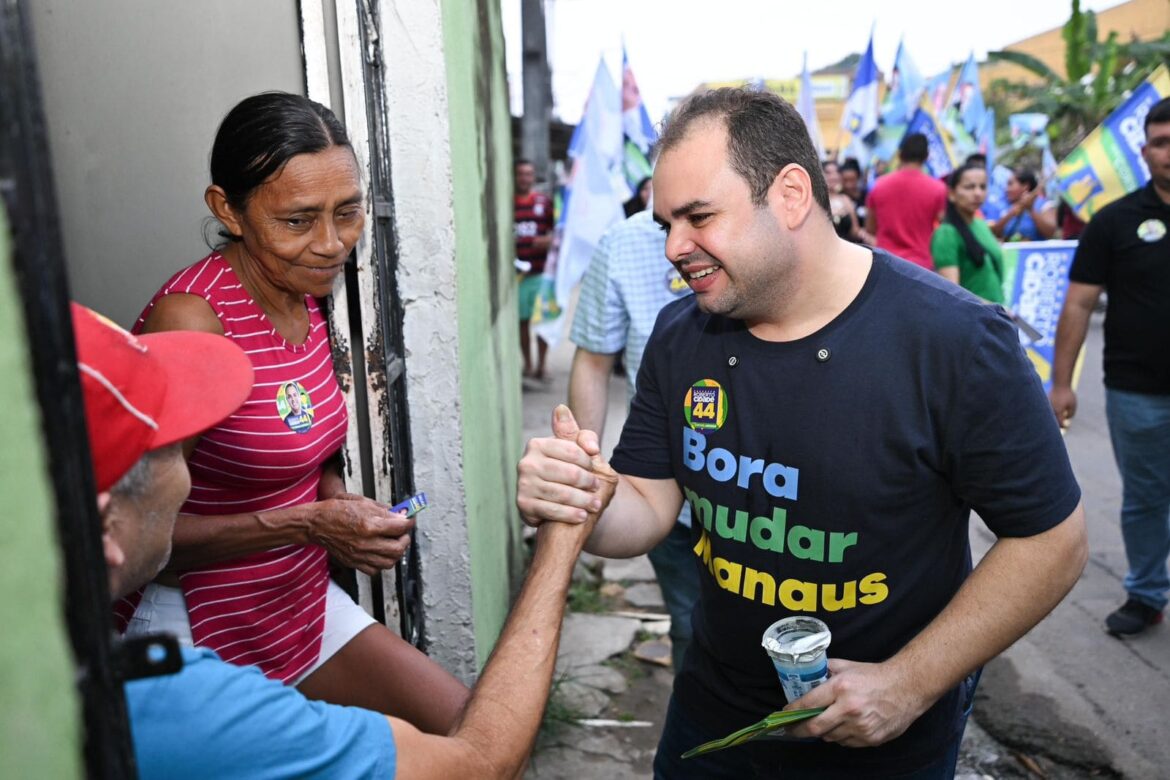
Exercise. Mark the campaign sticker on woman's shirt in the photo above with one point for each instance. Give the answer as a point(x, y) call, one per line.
point(295, 407)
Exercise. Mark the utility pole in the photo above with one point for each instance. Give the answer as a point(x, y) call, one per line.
point(534, 125)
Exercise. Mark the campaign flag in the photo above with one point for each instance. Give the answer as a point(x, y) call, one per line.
point(940, 158)
point(885, 145)
point(962, 142)
point(985, 138)
point(1029, 130)
point(1035, 285)
point(860, 116)
point(967, 97)
point(635, 118)
point(593, 200)
point(807, 107)
point(1048, 173)
point(936, 91)
point(906, 86)
point(996, 202)
point(1108, 163)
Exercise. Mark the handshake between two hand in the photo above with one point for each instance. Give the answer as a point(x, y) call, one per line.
point(563, 478)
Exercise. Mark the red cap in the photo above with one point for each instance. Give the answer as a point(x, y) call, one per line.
point(145, 392)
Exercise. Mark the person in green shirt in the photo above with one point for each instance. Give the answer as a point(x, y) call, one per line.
point(963, 247)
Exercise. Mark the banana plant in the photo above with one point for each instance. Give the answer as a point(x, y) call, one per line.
point(1099, 75)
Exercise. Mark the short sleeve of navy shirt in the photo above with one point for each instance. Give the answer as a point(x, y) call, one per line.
point(213, 719)
point(834, 476)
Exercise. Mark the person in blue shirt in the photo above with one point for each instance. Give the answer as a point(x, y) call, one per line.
point(1029, 216)
point(143, 396)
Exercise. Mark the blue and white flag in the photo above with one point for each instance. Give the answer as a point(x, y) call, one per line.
point(807, 107)
point(635, 118)
point(997, 203)
point(860, 116)
point(906, 85)
point(940, 159)
point(592, 198)
point(936, 91)
point(967, 97)
point(985, 138)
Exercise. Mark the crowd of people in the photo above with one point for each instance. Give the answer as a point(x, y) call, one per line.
point(761, 464)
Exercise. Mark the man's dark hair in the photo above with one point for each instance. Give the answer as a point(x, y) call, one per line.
point(976, 158)
point(914, 148)
point(1159, 113)
point(764, 134)
point(850, 164)
point(521, 161)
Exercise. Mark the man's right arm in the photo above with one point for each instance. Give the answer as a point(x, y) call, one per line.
point(497, 731)
point(589, 389)
point(1070, 335)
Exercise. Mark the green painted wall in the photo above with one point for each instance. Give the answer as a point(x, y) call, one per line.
point(486, 301)
point(40, 720)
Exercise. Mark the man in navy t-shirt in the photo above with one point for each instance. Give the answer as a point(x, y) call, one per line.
point(832, 415)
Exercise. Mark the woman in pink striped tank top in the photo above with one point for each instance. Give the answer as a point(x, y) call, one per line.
point(268, 507)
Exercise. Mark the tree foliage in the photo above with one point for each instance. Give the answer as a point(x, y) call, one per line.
point(1099, 75)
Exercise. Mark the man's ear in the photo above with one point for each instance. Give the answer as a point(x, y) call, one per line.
point(114, 554)
point(792, 194)
point(217, 202)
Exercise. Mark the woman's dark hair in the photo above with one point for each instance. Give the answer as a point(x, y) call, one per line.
point(262, 133)
point(1027, 177)
point(976, 250)
point(635, 203)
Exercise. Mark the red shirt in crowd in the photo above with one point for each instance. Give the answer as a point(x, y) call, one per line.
point(907, 206)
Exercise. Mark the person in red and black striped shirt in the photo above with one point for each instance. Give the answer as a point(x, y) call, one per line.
point(533, 220)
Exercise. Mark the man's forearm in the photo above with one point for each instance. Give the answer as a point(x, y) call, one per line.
point(508, 702)
point(589, 389)
point(495, 733)
point(640, 516)
point(1070, 332)
point(1013, 588)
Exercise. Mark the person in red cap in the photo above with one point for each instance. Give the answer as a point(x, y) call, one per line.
point(143, 396)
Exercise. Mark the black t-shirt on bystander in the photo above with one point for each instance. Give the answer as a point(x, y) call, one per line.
point(1126, 250)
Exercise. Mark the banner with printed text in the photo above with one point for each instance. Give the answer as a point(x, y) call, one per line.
point(1108, 163)
point(1035, 284)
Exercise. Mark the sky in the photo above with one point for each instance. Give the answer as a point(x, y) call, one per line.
point(674, 45)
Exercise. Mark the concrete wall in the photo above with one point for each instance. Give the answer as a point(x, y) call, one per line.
point(40, 722)
point(132, 114)
point(133, 94)
point(449, 138)
point(488, 319)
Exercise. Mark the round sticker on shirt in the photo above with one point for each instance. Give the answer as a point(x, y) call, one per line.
point(705, 406)
point(295, 407)
point(675, 284)
point(1151, 230)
